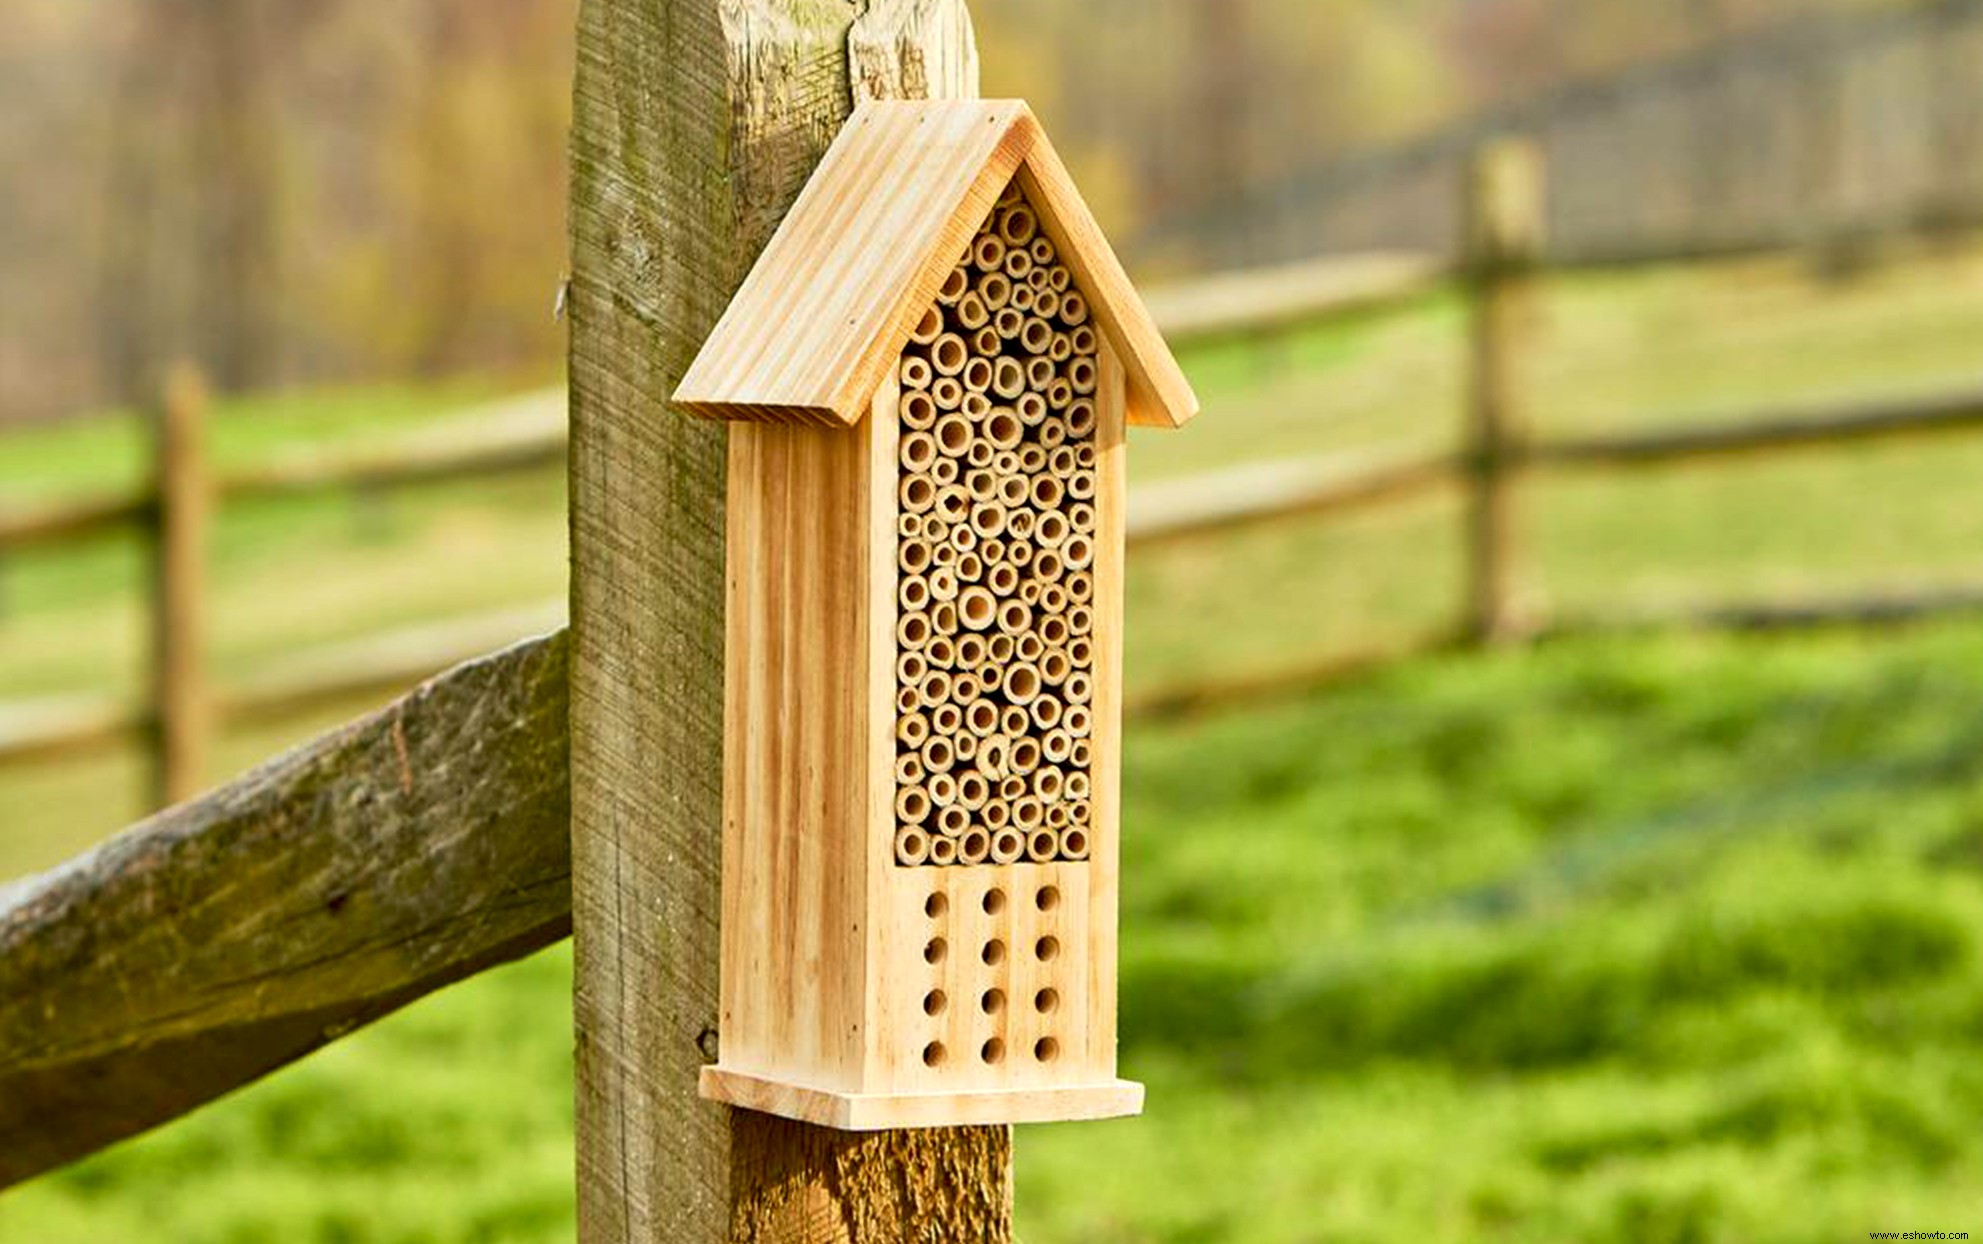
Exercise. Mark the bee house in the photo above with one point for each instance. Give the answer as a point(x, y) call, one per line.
point(928, 373)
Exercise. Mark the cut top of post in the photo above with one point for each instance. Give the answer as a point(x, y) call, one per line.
point(829, 305)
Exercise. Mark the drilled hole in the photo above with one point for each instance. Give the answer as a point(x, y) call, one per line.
point(933, 1054)
point(933, 953)
point(992, 1002)
point(1048, 898)
point(1046, 1049)
point(994, 952)
point(994, 902)
point(1047, 948)
point(993, 1051)
point(935, 905)
point(934, 1001)
point(1045, 1002)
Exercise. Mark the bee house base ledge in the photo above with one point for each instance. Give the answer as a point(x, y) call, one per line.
point(874, 1112)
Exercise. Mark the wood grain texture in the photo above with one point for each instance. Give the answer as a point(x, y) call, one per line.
point(828, 307)
point(180, 717)
point(696, 123)
point(228, 936)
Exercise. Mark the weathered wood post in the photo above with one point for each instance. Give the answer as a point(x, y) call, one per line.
point(1504, 225)
point(695, 124)
point(179, 711)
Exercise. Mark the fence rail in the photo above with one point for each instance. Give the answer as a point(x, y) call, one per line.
point(1494, 452)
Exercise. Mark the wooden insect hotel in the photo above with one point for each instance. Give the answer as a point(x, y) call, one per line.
point(929, 370)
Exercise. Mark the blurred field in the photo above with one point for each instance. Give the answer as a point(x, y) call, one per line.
point(1664, 939)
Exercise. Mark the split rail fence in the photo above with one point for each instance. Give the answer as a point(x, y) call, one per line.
point(1501, 262)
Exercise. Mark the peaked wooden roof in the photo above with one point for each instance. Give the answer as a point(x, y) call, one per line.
point(830, 303)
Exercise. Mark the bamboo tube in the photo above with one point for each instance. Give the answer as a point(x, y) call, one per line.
point(947, 392)
point(1077, 721)
point(1009, 321)
point(945, 721)
point(1048, 493)
point(1025, 753)
point(952, 435)
point(976, 375)
point(1039, 278)
point(1077, 551)
point(1085, 456)
point(1032, 409)
point(1032, 458)
point(947, 354)
point(1043, 252)
point(1012, 786)
point(1080, 649)
point(962, 541)
point(970, 568)
point(987, 252)
point(974, 847)
point(1008, 378)
point(1073, 309)
point(912, 729)
point(1053, 432)
point(1008, 845)
point(1012, 722)
point(1058, 818)
point(1003, 579)
point(1039, 374)
point(1053, 598)
point(972, 313)
point(935, 689)
point(912, 630)
point(1022, 300)
point(913, 556)
point(944, 472)
point(990, 674)
point(942, 791)
point(1042, 845)
point(943, 619)
point(912, 803)
point(1020, 552)
point(910, 667)
point(1061, 348)
point(954, 285)
point(1022, 521)
point(914, 592)
point(1082, 515)
point(1018, 264)
point(976, 608)
point(987, 342)
point(953, 502)
point(966, 745)
point(1083, 337)
point(971, 650)
point(917, 493)
point(1080, 418)
point(1046, 783)
point(1083, 754)
point(1036, 336)
point(916, 373)
point(975, 406)
point(1022, 683)
point(983, 486)
point(907, 699)
point(1014, 617)
point(909, 526)
point(918, 410)
point(940, 652)
point(980, 454)
point(1081, 374)
point(908, 769)
point(988, 519)
point(912, 846)
point(981, 719)
point(997, 814)
point(935, 530)
point(1001, 648)
point(1061, 462)
point(1081, 484)
point(1045, 304)
point(943, 583)
point(943, 851)
point(1017, 225)
point(1055, 665)
point(917, 451)
point(1002, 426)
point(1055, 746)
point(1046, 711)
point(1081, 587)
point(927, 329)
point(1079, 785)
point(973, 791)
point(1011, 196)
point(1028, 813)
point(995, 290)
point(1050, 528)
point(1060, 393)
point(1079, 687)
point(1074, 843)
point(1030, 648)
point(1006, 463)
point(964, 689)
point(954, 823)
point(1047, 566)
point(1029, 591)
point(994, 756)
point(938, 754)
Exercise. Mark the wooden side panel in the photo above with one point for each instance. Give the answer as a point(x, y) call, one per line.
point(797, 759)
point(1158, 395)
point(1111, 511)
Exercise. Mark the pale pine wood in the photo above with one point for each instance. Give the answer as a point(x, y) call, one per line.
point(826, 310)
point(695, 125)
point(180, 720)
point(233, 934)
point(1504, 239)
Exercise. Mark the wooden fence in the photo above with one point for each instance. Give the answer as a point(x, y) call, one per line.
point(573, 783)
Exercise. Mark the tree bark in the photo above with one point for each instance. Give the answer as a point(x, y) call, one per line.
point(696, 123)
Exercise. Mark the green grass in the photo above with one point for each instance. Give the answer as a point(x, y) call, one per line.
point(1673, 939)
point(1662, 939)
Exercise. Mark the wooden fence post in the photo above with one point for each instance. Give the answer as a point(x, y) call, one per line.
point(179, 710)
point(695, 124)
point(1504, 225)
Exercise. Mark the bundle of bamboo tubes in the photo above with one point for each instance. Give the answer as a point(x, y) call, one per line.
point(995, 545)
